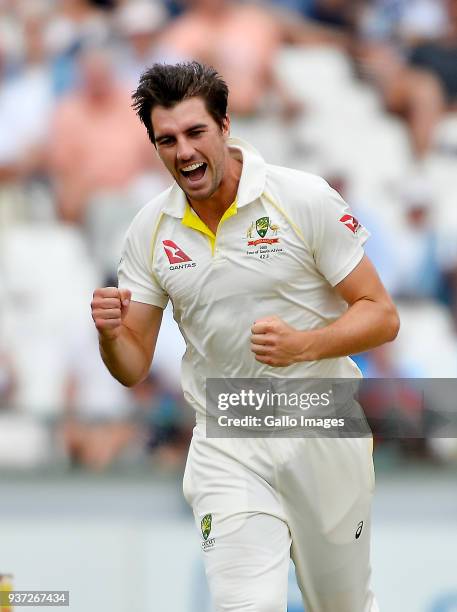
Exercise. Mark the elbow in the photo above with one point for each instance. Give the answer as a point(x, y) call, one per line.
point(131, 381)
point(128, 383)
point(392, 323)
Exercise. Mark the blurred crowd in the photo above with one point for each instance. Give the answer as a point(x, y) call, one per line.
point(362, 92)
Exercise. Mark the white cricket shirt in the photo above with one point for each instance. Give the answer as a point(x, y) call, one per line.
point(281, 247)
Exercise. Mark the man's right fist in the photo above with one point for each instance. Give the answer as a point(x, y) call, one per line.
point(109, 307)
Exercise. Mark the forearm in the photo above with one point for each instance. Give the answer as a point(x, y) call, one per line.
point(125, 357)
point(365, 325)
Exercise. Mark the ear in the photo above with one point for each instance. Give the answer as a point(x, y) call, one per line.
point(226, 126)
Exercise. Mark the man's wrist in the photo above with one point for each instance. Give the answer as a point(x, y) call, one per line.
point(310, 345)
point(107, 341)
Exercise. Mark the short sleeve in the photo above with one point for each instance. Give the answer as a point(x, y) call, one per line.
point(338, 238)
point(135, 271)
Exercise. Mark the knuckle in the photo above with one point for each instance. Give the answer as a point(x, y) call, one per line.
point(109, 292)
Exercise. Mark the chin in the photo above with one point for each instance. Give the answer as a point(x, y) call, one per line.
point(200, 196)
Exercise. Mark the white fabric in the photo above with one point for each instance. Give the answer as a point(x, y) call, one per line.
point(308, 248)
point(270, 499)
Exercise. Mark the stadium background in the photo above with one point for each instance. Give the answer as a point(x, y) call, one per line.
point(362, 92)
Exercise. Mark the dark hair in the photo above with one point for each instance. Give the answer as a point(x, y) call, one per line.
point(168, 84)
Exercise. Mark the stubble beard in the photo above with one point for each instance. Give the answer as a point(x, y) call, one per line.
point(200, 197)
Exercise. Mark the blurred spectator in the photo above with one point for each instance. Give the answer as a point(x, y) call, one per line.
point(336, 13)
point(411, 93)
point(26, 105)
point(11, 47)
point(6, 382)
point(96, 445)
point(174, 7)
point(74, 25)
point(7, 372)
point(140, 25)
point(419, 268)
point(221, 33)
point(163, 414)
point(439, 56)
point(97, 127)
point(382, 362)
point(98, 424)
point(401, 21)
point(301, 7)
point(373, 34)
point(422, 20)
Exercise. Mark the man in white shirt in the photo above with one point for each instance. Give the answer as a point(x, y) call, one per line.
point(266, 272)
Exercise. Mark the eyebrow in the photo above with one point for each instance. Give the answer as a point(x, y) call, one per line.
point(192, 128)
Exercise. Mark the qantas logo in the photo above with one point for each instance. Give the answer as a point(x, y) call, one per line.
point(174, 253)
point(176, 256)
point(350, 222)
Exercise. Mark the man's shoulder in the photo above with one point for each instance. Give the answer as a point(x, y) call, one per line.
point(296, 187)
point(151, 212)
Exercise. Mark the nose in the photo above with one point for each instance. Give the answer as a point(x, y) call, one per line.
point(184, 150)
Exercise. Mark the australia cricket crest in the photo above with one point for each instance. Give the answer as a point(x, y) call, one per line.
point(262, 226)
point(206, 524)
point(260, 235)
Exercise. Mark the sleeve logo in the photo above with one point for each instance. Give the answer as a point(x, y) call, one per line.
point(351, 223)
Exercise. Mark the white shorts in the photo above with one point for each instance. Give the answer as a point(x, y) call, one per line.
point(259, 502)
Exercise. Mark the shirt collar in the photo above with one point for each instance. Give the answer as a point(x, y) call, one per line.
point(251, 186)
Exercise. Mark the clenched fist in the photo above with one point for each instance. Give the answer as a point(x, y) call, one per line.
point(277, 344)
point(109, 307)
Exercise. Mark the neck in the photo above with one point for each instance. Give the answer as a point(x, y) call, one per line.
point(212, 209)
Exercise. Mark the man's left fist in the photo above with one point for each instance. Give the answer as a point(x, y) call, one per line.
point(277, 344)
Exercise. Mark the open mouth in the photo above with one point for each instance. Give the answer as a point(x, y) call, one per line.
point(194, 172)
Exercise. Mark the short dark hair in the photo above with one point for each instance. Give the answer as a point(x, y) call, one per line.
point(168, 84)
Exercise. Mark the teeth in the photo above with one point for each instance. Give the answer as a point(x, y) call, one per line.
point(192, 167)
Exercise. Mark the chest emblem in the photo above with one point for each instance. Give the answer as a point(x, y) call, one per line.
point(260, 235)
point(262, 227)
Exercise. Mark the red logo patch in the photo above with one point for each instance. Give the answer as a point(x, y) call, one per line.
point(174, 253)
point(350, 222)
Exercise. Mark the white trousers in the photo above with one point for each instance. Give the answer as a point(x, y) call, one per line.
point(259, 502)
